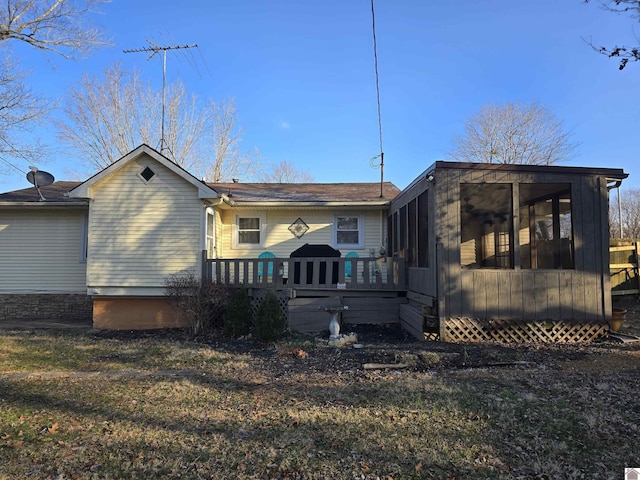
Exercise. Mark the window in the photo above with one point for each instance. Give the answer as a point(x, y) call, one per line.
point(390, 232)
point(396, 238)
point(412, 252)
point(546, 229)
point(402, 230)
point(147, 175)
point(486, 225)
point(84, 248)
point(348, 231)
point(249, 231)
point(210, 241)
point(423, 230)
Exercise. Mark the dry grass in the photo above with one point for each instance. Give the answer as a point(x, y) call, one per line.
point(165, 408)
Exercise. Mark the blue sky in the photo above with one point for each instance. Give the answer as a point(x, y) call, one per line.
point(301, 74)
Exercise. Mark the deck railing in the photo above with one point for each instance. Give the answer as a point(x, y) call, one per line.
point(307, 273)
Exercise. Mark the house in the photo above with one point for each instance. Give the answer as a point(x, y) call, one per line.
point(466, 252)
point(505, 252)
point(104, 248)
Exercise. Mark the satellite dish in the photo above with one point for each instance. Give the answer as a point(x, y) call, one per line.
point(38, 179)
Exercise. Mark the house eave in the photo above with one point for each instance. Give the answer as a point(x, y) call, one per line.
point(45, 204)
point(230, 203)
point(610, 173)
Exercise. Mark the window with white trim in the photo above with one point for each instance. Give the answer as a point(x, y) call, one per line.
point(210, 240)
point(249, 231)
point(348, 231)
point(84, 246)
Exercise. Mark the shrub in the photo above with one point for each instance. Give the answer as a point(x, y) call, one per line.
point(237, 318)
point(199, 304)
point(270, 321)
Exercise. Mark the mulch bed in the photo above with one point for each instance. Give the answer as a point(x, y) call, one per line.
point(389, 344)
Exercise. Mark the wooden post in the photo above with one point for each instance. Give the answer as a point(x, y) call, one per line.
point(637, 267)
point(204, 273)
point(441, 279)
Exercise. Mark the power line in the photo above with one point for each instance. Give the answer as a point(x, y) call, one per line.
point(375, 59)
point(153, 49)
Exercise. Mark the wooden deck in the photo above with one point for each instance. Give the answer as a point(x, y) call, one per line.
point(330, 273)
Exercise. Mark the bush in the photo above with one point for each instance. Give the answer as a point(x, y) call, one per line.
point(270, 321)
point(200, 304)
point(237, 318)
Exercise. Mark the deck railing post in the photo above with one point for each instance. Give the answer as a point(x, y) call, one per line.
point(204, 273)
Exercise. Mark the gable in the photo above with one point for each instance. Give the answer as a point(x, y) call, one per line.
point(149, 157)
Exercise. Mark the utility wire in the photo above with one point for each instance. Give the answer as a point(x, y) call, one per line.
point(16, 152)
point(375, 59)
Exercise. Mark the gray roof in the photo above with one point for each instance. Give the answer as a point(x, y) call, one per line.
point(240, 192)
point(307, 192)
point(56, 192)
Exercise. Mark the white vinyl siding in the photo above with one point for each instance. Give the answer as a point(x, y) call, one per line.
point(41, 250)
point(140, 233)
point(281, 242)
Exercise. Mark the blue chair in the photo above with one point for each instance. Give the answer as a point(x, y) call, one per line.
point(269, 264)
point(347, 265)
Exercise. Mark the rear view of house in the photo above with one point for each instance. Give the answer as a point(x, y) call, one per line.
point(104, 248)
point(466, 252)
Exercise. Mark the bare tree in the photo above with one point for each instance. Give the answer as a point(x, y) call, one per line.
point(513, 133)
point(625, 54)
point(630, 210)
point(19, 110)
point(286, 172)
point(58, 26)
point(108, 116)
point(228, 160)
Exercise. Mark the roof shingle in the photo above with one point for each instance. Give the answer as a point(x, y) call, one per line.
point(56, 192)
point(306, 192)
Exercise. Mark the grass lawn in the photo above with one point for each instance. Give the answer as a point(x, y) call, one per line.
point(75, 405)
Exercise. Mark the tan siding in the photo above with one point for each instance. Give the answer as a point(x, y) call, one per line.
point(40, 251)
point(141, 233)
point(281, 242)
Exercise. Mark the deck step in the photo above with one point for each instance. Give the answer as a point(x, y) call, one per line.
point(306, 314)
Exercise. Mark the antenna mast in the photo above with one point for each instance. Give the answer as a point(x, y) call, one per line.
point(375, 59)
point(153, 49)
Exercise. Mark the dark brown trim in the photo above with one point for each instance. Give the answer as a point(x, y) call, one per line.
point(613, 173)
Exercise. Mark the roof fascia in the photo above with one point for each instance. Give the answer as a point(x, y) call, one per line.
point(78, 204)
point(373, 205)
point(613, 173)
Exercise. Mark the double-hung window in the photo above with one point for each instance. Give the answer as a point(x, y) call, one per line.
point(348, 231)
point(249, 231)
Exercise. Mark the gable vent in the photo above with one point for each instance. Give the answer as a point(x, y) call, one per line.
point(147, 174)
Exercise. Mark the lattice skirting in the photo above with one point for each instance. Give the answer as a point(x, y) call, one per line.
point(518, 331)
point(258, 296)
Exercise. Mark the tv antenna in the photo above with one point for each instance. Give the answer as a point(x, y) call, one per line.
point(153, 49)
